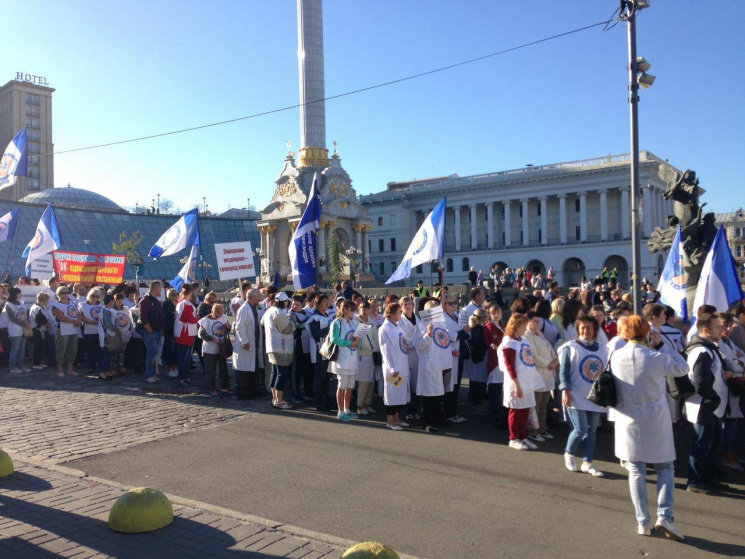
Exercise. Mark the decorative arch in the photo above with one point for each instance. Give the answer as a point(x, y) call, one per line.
point(449, 265)
point(573, 270)
point(465, 264)
point(502, 266)
point(536, 267)
point(620, 263)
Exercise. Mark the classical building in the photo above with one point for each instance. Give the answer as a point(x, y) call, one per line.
point(574, 216)
point(343, 215)
point(734, 225)
point(24, 103)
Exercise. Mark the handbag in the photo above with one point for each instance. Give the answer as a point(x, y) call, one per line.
point(376, 355)
point(226, 348)
point(603, 392)
point(680, 388)
point(114, 344)
point(329, 350)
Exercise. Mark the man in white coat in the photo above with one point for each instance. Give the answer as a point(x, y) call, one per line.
point(248, 351)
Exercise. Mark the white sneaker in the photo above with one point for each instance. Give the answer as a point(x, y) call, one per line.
point(16, 370)
point(394, 427)
point(26, 370)
point(152, 379)
point(403, 424)
point(570, 462)
point(537, 438)
point(362, 411)
point(668, 528)
point(370, 410)
point(644, 530)
point(517, 445)
point(588, 468)
point(38, 367)
point(173, 374)
point(529, 444)
point(546, 435)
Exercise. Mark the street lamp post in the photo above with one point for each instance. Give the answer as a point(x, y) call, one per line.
point(628, 11)
point(353, 255)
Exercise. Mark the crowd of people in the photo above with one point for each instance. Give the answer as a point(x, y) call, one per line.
point(335, 350)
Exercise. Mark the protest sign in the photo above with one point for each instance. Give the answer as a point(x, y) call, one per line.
point(362, 330)
point(432, 316)
point(43, 267)
point(79, 267)
point(29, 293)
point(235, 260)
point(463, 318)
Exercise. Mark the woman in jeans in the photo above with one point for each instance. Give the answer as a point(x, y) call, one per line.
point(169, 343)
point(18, 321)
point(643, 431)
point(213, 330)
point(280, 346)
point(185, 332)
point(43, 328)
point(580, 363)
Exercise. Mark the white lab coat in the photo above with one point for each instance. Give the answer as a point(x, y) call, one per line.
point(530, 380)
point(643, 430)
point(395, 359)
point(411, 331)
point(245, 333)
point(430, 381)
point(452, 327)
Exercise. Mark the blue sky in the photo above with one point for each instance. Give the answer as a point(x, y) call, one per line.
point(133, 69)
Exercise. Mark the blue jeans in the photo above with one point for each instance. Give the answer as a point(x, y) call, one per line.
point(280, 374)
point(584, 424)
point(93, 351)
point(151, 340)
point(105, 360)
point(17, 352)
point(169, 351)
point(638, 488)
point(183, 353)
point(707, 433)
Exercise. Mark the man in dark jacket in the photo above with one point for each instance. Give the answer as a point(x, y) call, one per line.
point(150, 327)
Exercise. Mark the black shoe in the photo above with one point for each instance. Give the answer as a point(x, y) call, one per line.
point(719, 486)
point(703, 489)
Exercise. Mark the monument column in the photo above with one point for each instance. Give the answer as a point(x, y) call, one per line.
point(474, 230)
point(544, 220)
point(456, 211)
point(647, 217)
point(357, 228)
point(322, 246)
point(490, 225)
point(271, 257)
point(563, 219)
point(507, 225)
point(583, 217)
point(365, 248)
point(526, 225)
point(625, 214)
point(603, 215)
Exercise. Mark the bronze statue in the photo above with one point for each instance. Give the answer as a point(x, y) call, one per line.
point(697, 229)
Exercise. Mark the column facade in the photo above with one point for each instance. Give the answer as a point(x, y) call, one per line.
point(583, 217)
point(603, 215)
point(544, 221)
point(322, 246)
point(563, 219)
point(474, 230)
point(507, 225)
point(490, 225)
point(357, 228)
point(625, 213)
point(272, 257)
point(366, 248)
point(525, 224)
point(647, 214)
point(456, 210)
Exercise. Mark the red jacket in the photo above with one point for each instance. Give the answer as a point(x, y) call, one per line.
point(493, 336)
point(186, 317)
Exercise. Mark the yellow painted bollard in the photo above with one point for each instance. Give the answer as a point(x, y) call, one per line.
point(140, 510)
point(370, 550)
point(6, 464)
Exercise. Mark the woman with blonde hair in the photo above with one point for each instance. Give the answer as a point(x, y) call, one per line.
point(516, 361)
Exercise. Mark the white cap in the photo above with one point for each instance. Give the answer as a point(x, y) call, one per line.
point(282, 296)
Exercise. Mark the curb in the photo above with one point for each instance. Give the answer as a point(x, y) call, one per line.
point(288, 529)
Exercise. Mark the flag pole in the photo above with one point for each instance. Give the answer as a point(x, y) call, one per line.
point(12, 247)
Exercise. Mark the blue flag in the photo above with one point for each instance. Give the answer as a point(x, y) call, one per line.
point(672, 285)
point(184, 233)
point(8, 225)
point(428, 244)
point(13, 163)
point(719, 284)
point(188, 272)
point(302, 249)
point(46, 239)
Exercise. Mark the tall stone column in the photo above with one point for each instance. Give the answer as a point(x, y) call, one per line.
point(456, 211)
point(507, 225)
point(563, 219)
point(583, 217)
point(366, 248)
point(490, 225)
point(322, 247)
point(271, 249)
point(474, 230)
point(625, 213)
point(525, 223)
point(647, 217)
point(544, 221)
point(357, 228)
point(603, 215)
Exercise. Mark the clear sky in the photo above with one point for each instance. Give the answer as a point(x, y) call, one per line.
point(123, 70)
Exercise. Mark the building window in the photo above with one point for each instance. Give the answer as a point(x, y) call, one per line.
point(577, 233)
point(449, 265)
point(419, 269)
point(393, 243)
point(539, 208)
point(33, 148)
point(576, 205)
point(32, 123)
point(464, 264)
point(33, 159)
point(369, 246)
point(738, 232)
point(738, 250)
point(540, 236)
point(32, 99)
point(32, 111)
point(393, 267)
point(33, 184)
point(381, 245)
point(380, 222)
point(382, 268)
point(33, 172)
point(33, 135)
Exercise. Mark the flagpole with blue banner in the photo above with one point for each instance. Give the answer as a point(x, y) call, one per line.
point(46, 239)
point(302, 248)
point(14, 160)
point(182, 234)
point(672, 286)
point(8, 226)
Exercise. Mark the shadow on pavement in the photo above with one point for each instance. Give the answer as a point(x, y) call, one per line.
point(21, 481)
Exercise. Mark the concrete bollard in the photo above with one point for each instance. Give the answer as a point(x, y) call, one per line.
point(370, 550)
point(6, 464)
point(140, 510)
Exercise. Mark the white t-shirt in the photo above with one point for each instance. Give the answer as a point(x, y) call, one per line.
point(21, 314)
point(91, 312)
point(70, 310)
point(215, 328)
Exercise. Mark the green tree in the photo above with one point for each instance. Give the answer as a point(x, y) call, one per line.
point(129, 246)
point(336, 257)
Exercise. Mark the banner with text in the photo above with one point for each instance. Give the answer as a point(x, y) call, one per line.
point(235, 260)
point(79, 267)
point(42, 268)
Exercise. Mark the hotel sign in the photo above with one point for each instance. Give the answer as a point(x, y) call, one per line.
point(30, 78)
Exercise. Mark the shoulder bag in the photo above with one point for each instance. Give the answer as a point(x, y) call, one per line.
point(603, 392)
point(329, 350)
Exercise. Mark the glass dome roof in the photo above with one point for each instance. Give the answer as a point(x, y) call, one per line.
point(70, 197)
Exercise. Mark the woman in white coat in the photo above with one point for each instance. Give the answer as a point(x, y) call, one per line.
point(433, 344)
point(395, 367)
point(280, 345)
point(643, 432)
point(248, 350)
point(408, 324)
point(366, 368)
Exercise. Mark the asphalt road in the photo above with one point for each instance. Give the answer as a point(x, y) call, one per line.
point(460, 494)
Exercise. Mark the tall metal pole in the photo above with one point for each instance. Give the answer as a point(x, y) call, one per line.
point(634, 113)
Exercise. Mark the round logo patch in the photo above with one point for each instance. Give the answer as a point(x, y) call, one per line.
point(423, 244)
point(526, 355)
point(441, 338)
point(3, 227)
point(95, 313)
point(590, 368)
point(38, 239)
point(218, 329)
point(121, 320)
point(171, 237)
point(72, 311)
point(8, 164)
point(402, 344)
point(22, 314)
point(349, 336)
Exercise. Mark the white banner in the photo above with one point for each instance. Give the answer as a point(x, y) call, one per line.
point(43, 267)
point(432, 316)
point(235, 260)
point(29, 293)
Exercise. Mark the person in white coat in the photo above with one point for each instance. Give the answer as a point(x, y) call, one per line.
point(408, 324)
point(433, 344)
point(734, 361)
point(248, 350)
point(395, 366)
point(369, 346)
point(643, 432)
point(654, 313)
point(280, 346)
point(347, 361)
